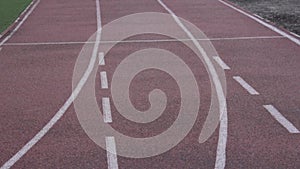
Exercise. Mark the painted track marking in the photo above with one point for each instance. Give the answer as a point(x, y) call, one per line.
point(258, 16)
point(66, 105)
point(273, 28)
point(112, 159)
point(295, 34)
point(281, 119)
point(221, 63)
point(106, 110)
point(221, 149)
point(101, 59)
point(245, 85)
point(104, 82)
point(21, 22)
point(111, 142)
point(143, 41)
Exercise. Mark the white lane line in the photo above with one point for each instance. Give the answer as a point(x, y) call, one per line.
point(273, 28)
point(104, 82)
point(48, 43)
point(112, 159)
point(221, 150)
point(245, 85)
point(143, 41)
point(222, 141)
point(259, 17)
point(221, 63)
point(295, 34)
point(106, 110)
point(21, 22)
point(66, 105)
point(281, 119)
point(101, 58)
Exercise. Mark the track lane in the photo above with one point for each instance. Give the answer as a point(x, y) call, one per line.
point(37, 77)
point(272, 72)
point(250, 151)
point(58, 20)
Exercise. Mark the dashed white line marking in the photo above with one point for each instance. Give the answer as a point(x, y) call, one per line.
point(66, 105)
point(221, 150)
point(112, 159)
point(142, 41)
point(101, 58)
point(104, 82)
point(106, 110)
point(245, 85)
point(24, 19)
point(297, 41)
point(281, 119)
point(221, 63)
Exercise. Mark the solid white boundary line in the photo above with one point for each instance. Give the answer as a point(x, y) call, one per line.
point(104, 82)
point(245, 85)
point(221, 149)
point(258, 16)
point(221, 63)
point(281, 119)
point(142, 41)
point(106, 110)
point(66, 105)
point(295, 34)
point(111, 153)
point(273, 28)
point(20, 24)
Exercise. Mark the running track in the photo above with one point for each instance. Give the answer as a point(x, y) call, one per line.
point(37, 64)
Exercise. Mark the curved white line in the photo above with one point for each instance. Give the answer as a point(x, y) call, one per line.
point(221, 149)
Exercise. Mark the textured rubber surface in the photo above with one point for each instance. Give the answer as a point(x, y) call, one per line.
point(36, 80)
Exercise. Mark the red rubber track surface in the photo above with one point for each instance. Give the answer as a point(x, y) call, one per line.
point(36, 80)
